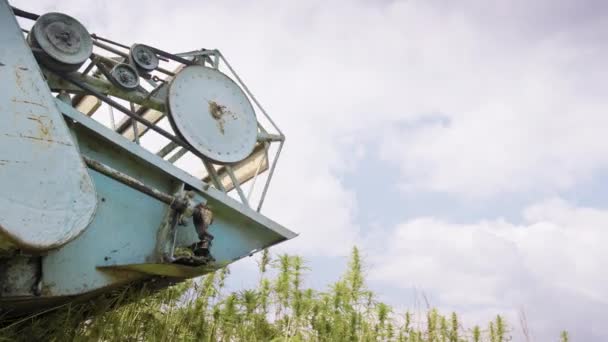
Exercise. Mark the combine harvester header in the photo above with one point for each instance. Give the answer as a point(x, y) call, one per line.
point(86, 204)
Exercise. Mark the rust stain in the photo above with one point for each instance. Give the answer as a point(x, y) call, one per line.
point(38, 139)
point(29, 102)
point(19, 79)
point(44, 126)
point(219, 112)
point(45, 140)
point(36, 117)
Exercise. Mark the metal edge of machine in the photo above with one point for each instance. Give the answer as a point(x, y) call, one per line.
point(125, 168)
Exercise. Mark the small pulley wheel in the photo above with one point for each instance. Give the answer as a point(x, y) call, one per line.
point(124, 76)
point(60, 42)
point(143, 58)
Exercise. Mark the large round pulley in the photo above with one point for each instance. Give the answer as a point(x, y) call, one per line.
point(143, 58)
point(60, 42)
point(125, 76)
point(212, 113)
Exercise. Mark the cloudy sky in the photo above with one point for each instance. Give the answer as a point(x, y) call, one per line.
point(460, 145)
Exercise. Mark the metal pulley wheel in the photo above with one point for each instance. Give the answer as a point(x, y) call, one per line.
point(60, 42)
point(143, 58)
point(212, 113)
point(124, 76)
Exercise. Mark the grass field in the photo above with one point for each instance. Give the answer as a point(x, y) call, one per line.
point(278, 309)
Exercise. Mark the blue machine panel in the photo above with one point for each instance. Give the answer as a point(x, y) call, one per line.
point(47, 196)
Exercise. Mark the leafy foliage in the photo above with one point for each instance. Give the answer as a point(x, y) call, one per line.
point(278, 309)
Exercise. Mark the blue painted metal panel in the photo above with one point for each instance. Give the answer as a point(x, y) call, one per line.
point(121, 243)
point(47, 196)
point(123, 232)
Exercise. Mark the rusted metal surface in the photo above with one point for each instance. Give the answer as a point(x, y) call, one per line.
point(47, 196)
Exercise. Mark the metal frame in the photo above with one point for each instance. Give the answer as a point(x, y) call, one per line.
point(148, 158)
point(93, 81)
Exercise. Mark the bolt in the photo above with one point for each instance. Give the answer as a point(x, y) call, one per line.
point(144, 56)
point(65, 37)
point(125, 76)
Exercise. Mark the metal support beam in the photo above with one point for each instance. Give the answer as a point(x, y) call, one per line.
point(274, 164)
point(57, 83)
point(237, 185)
point(128, 180)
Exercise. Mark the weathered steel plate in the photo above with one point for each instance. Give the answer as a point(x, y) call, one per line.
point(213, 114)
point(47, 197)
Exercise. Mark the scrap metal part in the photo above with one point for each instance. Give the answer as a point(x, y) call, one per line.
point(60, 42)
point(143, 57)
point(125, 76)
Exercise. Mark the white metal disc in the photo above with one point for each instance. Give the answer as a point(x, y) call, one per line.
point(212, 113)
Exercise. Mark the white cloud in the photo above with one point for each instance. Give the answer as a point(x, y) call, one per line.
point(519, 93)
point(522, 114)
point(551, 265)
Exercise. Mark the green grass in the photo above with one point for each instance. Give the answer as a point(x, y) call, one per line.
point(278, 309)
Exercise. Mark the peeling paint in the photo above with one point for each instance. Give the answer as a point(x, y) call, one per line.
point(22, 136)
point(19, 80)
point(29, 102)
point(219, 113)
